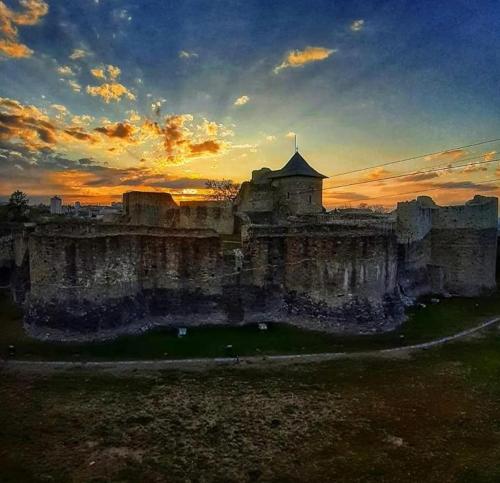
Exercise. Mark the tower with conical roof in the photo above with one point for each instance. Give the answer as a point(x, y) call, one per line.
point(298, 187)
point(295, 189)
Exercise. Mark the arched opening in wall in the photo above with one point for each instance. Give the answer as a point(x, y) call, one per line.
point(310, 199)
point(288, 196)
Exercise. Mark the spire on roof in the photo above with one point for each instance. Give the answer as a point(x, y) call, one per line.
point(296, 166)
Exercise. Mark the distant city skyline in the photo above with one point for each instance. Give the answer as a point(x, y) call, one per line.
point(102, 97)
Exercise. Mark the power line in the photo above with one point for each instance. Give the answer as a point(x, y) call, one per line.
point(420, 191)
point(404, 175)
point(415, 157)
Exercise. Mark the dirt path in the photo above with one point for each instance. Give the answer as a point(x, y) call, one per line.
point(204, 363)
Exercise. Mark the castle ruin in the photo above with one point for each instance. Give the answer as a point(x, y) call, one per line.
point(274, 254)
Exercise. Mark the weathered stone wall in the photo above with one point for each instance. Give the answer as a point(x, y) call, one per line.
point(463, 261)
point(340, 277)
point(256, 197)
point(6, 256)
point(299, 195)
point(414, 220)
point(214, 215)
point(448, 250)
point(94, 282)
point(14, 260)
point(150, 208)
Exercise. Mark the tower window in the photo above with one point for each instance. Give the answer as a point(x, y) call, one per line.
point(288, 196)
point(310, 199)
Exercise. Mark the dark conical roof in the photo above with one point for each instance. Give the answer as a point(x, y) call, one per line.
point(297, 166)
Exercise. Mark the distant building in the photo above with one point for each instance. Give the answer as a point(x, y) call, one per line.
point(56, 206)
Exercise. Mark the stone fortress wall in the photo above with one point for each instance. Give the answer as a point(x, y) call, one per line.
point(213, 215)
point(265, 257)
point(88, 282)
point(449, 250)
point(343, 275)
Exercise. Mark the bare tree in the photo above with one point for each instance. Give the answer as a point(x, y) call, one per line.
point(223, 189)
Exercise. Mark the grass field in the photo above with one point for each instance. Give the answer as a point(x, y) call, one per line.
point(435, 320)
point(433, 418)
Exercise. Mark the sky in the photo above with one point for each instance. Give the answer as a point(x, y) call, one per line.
point(99, 97)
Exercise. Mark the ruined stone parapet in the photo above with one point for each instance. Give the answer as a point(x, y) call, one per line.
point(450, 249)
point(215, 215)
point(150, 208)
point(480, 213)
point(414, 219)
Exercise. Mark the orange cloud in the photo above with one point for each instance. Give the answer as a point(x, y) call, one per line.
point(179, 142)
point(206, 147)
point(378, 173)
point(119, 130)
point(110, 91)
point(14, 49)
point(451, 155)
point(26, 124)
point(98, 72)
point(299, 58)
point(109, 72)
point(10, 46)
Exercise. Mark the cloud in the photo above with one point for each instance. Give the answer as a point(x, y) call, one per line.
point(290, 134)
point(14, 50)
point(419, 177)
point(108, 72)
point(82, 120)
point(74, 85)
point(111, 91)
point(469, 185)
point(474, 167)
point(489, 155)
point(174, 141)
point(357, 25)
point(299, 58)
point(451, 155)
point(84, 178)
point(119, 130)
point(65, 70)
point(186, 54)
point(133, 116)
point(210, 128)
point(26, 124)
point(345, 196)
point(98, 72)
point(61, 110)
point(377, 173)
point(79, 54)
point(180, 142)
point(241, 101)
point(271, 138)
point(113, 72)
point(33, 11)
point(33, 129)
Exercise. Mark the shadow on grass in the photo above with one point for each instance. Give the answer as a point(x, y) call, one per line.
point(424, 323)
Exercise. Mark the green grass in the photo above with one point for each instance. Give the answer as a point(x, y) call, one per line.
point(435, 320)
